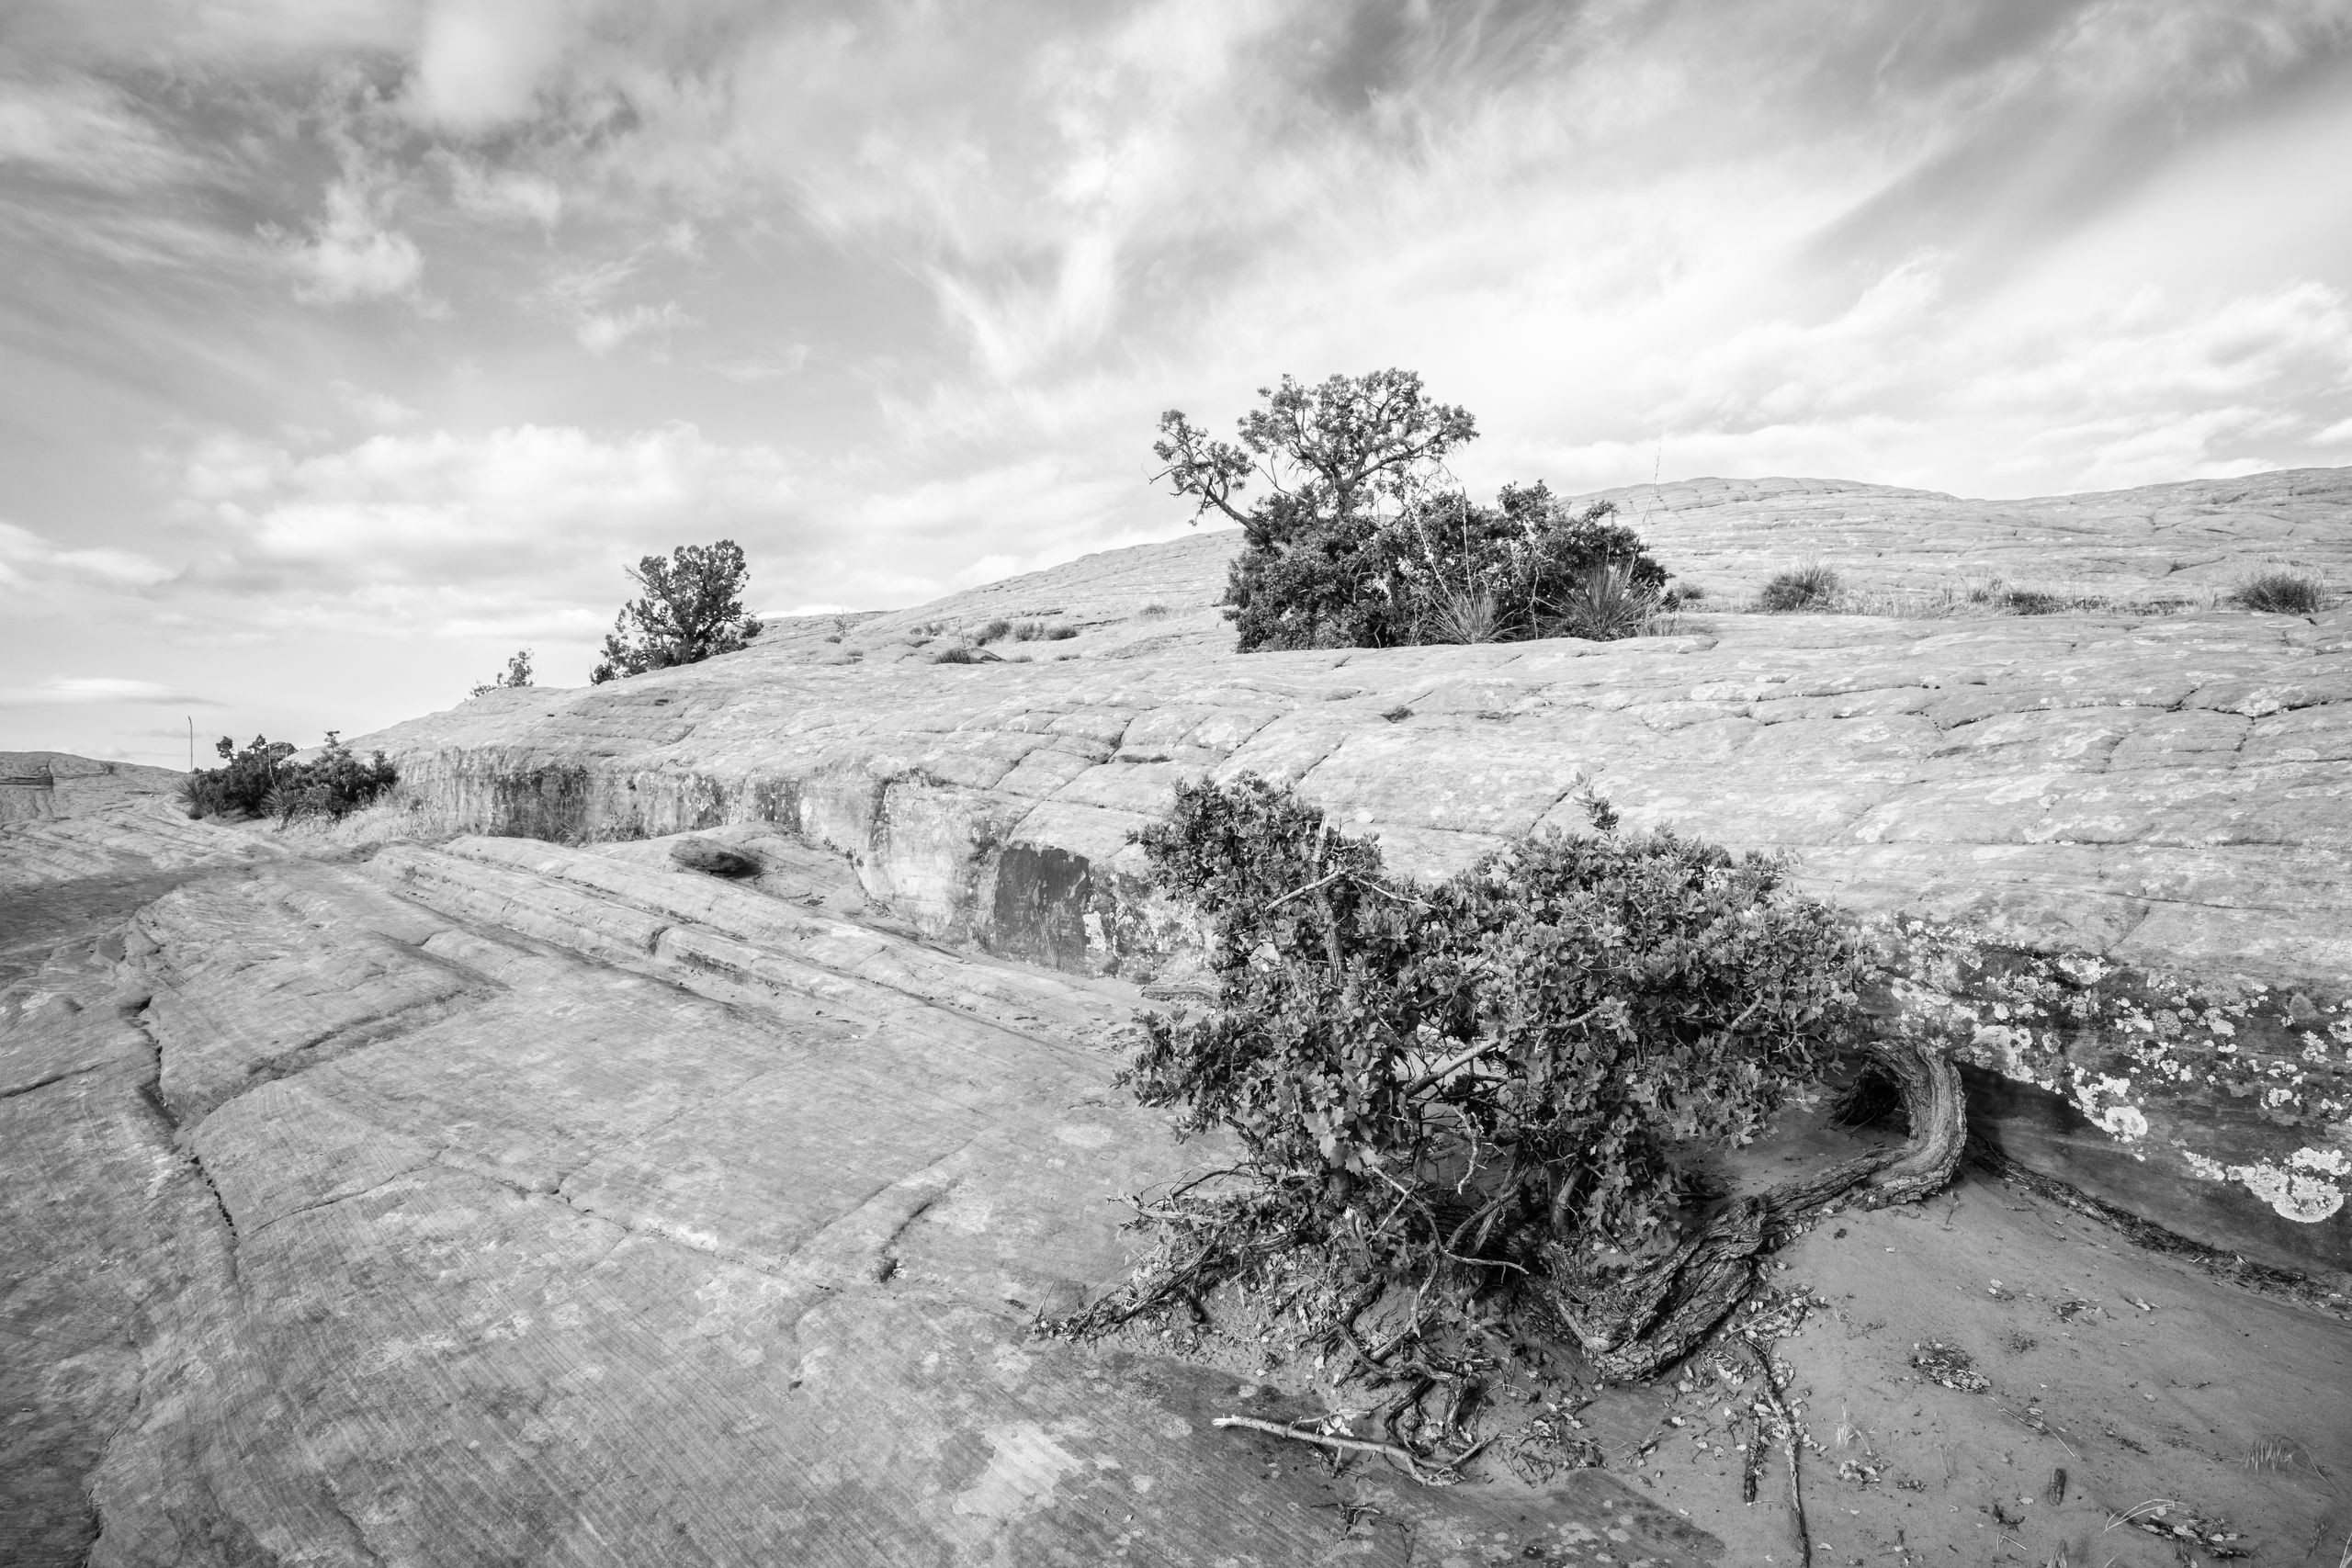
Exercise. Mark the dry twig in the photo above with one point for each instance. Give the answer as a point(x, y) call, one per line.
point(1406, 1457)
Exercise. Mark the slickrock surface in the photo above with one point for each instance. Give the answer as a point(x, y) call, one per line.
point(2171, 542)
point(2150, 812)
point(503, 1202)
point(526, 1198)
point(84, 843)
point(57, 783)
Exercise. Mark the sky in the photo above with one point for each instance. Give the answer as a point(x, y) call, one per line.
point(348, 346)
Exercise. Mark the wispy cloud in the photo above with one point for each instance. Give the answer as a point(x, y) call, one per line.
point(834, 278)
point(90, 691)
point(28, 561)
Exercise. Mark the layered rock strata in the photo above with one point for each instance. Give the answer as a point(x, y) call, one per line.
point(504, 1203)
point(2112, 847)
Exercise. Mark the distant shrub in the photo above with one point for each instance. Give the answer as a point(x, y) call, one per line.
point(959, 654)
point(692, 609)
point(517, 673)
point(1362, 544)
point(993, 631)
point(2034, 602)
point(1810, 587)
point(263, 780)
point(2283, 594)
point(1684, 594)
point(1060, 634)
point(1152, 613)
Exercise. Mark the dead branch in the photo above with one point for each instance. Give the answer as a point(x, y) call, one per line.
point(1789, 1435)
point(1411, 1461)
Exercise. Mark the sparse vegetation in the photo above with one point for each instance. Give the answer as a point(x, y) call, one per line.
point(2283, 594)
point(1362, 543)
point(692, 609)
point(1471, 1094)
point(1152, 613)
point(993, 631)
point(1610, 602)
point(263, 780)
point(1041, 631)
point(956, 653)
point(517, 673)
point(1810, 587)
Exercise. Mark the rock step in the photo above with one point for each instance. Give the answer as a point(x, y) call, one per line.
point(743, 946)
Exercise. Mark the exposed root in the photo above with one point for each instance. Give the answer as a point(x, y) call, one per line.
point(1632, 1327)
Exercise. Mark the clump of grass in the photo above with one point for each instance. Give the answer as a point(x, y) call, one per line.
point(993, 631)
point(1607, 604)
point(1060, 634)
point(2033, 602)
point(1040, 631)
point(957, 653)
point(2274, 1453)
point(1809, 586)
point(1461, 615)
point(1152, 613)
point(2283, 594)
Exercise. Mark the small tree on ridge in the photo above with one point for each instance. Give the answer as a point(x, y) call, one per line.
point(692, 608)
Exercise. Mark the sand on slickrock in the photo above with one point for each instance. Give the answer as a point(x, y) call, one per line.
point(390, 1193)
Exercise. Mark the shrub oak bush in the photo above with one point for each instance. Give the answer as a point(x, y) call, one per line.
point(263, 779)
point(692, 608)
point(1475, 1089)
point(1360, 541)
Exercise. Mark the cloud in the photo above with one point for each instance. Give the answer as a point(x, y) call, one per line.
point(751, 370)
point(550, 507)
point(349, 254)
point(375, 409)
point(600, 331)
point(91, 691)
point(28, 561)
point(479, 62)
point(81, 129)
point(481, 191)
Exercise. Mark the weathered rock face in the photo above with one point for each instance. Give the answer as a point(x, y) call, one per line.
point(2179, 543)
point(2115, 848)
point(56, 783)
point(510, 1202)
point(474, 1199)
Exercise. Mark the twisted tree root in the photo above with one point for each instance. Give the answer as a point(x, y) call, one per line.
point(1632, 1328)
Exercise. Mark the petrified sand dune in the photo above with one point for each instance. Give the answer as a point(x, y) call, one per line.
point(506, 1191)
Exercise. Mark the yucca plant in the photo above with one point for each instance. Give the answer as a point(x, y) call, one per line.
point(1607, 604)
point(1461, 615)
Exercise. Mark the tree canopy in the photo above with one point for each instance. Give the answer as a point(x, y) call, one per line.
point(1328, 453)
point(691, 609)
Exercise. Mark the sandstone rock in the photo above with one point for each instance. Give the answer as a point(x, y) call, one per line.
point(501, 1198)
point(702, 854)
point(2165, 794)
point(562, 1207)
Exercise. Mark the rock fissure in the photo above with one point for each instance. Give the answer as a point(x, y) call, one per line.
point(41, 1083)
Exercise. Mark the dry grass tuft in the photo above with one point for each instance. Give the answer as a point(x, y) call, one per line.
point(2283, 594)
point(1463, 614)
point(1810, 587)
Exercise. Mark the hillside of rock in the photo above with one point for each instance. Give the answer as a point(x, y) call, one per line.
point(2114, 844)
point(476, 1182)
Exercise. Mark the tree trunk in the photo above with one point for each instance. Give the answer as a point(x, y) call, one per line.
point(1633, 1326)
